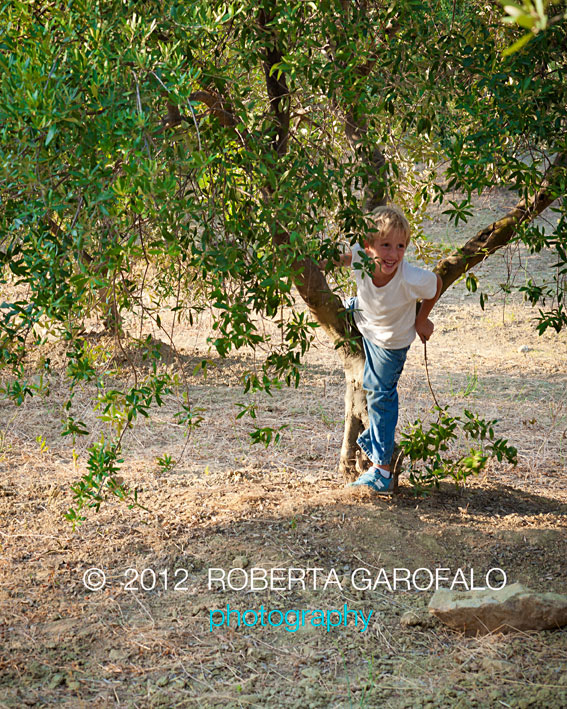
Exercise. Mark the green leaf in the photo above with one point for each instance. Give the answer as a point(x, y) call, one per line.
point(50, 134)
point(517, 45)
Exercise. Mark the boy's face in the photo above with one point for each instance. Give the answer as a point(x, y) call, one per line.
point(387, 251)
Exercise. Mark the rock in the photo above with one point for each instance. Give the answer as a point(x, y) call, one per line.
point(513, 607)
point(240, 562)
point(56, 680)
point(491, 665)
point(116, 655)
point(412, 618)
point(524, 348)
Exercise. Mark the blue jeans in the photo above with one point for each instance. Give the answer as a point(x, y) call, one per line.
point(380, 381)
point(382, 371)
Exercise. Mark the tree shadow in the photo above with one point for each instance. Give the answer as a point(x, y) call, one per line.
point(482, 499)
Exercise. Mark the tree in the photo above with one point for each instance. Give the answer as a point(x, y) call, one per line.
point(220, 150)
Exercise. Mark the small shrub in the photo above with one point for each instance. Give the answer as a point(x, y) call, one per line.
point(430, 457)
point(166, 463)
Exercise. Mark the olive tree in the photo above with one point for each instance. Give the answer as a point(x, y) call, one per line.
point(224, 149)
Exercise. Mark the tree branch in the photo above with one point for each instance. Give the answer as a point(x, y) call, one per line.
point(356, 129)
point(309, 280)
point(500, 232)
point(326, 307)
point(375, 192)
point(217, 105)
point(278, 92)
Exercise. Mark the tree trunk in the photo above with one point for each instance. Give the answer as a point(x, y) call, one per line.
point(329, 312)
point(356, 416)
point(111, 317)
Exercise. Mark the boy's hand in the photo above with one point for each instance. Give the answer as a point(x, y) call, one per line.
point(424, 329)
point(423, 326)
point(343, 260)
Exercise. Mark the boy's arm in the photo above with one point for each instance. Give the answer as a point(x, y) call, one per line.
point(424, 326)
point(343, 260)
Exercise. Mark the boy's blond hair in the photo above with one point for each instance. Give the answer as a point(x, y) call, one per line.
point(389, 218)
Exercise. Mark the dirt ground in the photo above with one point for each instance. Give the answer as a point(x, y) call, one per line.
point(227, 505)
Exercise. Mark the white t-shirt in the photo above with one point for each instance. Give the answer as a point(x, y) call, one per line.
point(386, 315)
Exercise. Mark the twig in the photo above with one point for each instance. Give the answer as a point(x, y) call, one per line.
point(195, 122)
point(141, 112)
point(427, 374)
point(143, 607)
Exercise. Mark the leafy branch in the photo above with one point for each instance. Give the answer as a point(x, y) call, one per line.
point(428, 449)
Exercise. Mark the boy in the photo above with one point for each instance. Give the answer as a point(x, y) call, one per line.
point(385, 313)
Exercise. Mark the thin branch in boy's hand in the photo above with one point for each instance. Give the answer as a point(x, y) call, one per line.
point(437, 404)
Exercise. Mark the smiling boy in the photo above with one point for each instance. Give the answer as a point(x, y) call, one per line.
point(385, 313)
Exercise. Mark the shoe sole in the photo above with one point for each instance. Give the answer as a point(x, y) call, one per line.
point(388, 493)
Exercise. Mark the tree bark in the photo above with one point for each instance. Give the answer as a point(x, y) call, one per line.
point(356, 417)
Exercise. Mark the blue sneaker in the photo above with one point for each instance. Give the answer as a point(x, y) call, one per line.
point(374, 479)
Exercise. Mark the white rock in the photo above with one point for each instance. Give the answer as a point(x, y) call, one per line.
point(513, 607)
point(524, 348)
